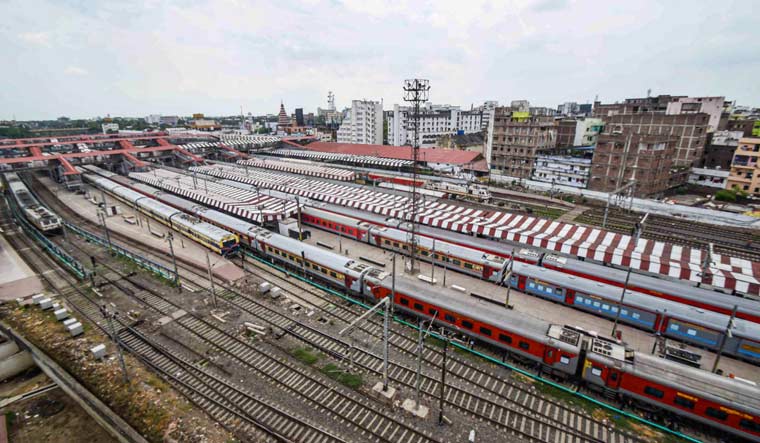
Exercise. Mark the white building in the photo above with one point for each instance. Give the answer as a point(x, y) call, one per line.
point(110, 127)
point(153, 119)
point(714, 178)
point(363, 123)
point(562, 170)
point(568, 109)
point(587, 131)
point(435, 121)
point(692, 105)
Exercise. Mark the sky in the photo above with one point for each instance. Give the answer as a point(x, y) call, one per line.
point(83, 59)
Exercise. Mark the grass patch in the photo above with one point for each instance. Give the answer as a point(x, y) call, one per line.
point(10, 420)
point(305, 356)
point(353, 381)
point(565, 397)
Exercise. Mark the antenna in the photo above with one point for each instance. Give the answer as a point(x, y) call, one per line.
point(416, 92)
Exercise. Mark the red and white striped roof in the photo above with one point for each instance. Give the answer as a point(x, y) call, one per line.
point(359, 160)
point(297, 167)
point(246, 204)
point(679, 262)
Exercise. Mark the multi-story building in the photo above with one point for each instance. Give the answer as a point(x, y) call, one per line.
point(110, 127)
point(568, 109)
point(566, 132)
point(283, 120)
point(657, 105)
point(587, 131)
point(299, 117)
point(711, 178)
point(362, 123)
point(515, 138)
point(169, 120)
point(153, 119)
point(562, 170)
point(621, 156)
point(712, 106)
point(690, 131)
point(719, 151)
point(745, 167)
point(749, 127)
point(435, 121)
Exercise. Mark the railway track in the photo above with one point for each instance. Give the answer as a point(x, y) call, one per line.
point(368, 418)
point(229, 405)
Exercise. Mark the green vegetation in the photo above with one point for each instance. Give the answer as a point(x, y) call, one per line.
point(305, 356)
point(10, 420)
point(353, 381)
point(726, 195)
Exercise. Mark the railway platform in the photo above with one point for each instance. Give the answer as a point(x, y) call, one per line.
point(488, 294)
point(149, 232)
point(16, 277)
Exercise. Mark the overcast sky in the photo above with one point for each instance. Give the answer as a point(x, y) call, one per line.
point(91, 58)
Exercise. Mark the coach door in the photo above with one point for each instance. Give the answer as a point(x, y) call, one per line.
point(613, 378)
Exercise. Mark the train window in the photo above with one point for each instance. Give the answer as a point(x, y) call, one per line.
point(405, 247)
point(505, 338)
point(467, 324)
point(750, 425)
point(614, 376)
point(333, 274)
point(433, 312)
point(674, 326)
point(606, 307)
point(395, 244)
point(691, 332)
point(597, 372)
point(685, 402)
point(419, 307)
point(457, 262)
point(524, 345)
point(386, 241)
point(716, 413)
point(404, 301)
point(653, 392)
point(450, 318)
point(485, 331)
point(596, 304)
point(564, 360)
point(624, 312)
point(636, 315)
point(588, 301)
point(614, 309)
point(468, 265)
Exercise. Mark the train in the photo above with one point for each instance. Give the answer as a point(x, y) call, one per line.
point(37, 214)
point(213, 237)
point(599, 363)
point(484, 258)
point(435, 189)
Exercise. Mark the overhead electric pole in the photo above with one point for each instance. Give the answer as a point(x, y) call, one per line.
point(415, 92)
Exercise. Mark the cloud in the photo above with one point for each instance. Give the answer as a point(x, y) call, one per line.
point(35, 38)
point(75, 70)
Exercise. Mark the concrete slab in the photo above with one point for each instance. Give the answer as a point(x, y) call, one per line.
point(493, 297)
point(411, 406)
point(17, 280)
point(386, 395)
point(185, 249)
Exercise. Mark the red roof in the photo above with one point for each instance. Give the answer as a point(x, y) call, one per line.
point(429, 155)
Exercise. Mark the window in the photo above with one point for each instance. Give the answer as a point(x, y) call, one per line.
point(505, 338)
point(404, 301)
point(653, 392)
point(468, 265)
point(749, 425)
point(485, 331)
point(524, 345)
point(564, 360)
point(450, 318)
point(684, 402)
point(597, 372)
point(691, 332)
point(467, 324)
point(614, 376)
point(419, 307)
point(716, 413)
point(433, 312)
point(333, 274)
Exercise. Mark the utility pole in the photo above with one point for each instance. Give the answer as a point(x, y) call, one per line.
point(444, 271)
point(170, 239)
point(109, 316)
point(211, 280)
point(432, 265)
point(420, 348)
point(726, 334)
point(508, 278)
point(416, 92)
point(393, 284)
point(620, 303)
point(443, 377)
point(102, 217)
point(385, 304)
point(300, 228)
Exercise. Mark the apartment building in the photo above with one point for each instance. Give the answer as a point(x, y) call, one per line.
point(745, 167)
point(362, 123)
point(516, 138)
point(435, 122)
point(562, 170)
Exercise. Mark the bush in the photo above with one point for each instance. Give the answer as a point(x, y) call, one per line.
point(725, 195)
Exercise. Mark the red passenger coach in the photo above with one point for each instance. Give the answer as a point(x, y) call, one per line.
point(395, 179)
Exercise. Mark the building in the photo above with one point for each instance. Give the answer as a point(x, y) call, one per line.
point(745, 167)
point(690, 131)
point(566, 129)
point(711, 178)
point(203, 124)
point(168, 120)
point(110, 128)
point(463, 142)
point(487, 112)
point(657, 105)
point(712, 106)
point(562, 170)
point(568, 109)
point(620, 157)
point(719, 151)
point(587, 131)
point(299, 117)
point(749, 127)
point(435, 121)
point(153, 119)
point(283, 120)
point(362, 123)
point(516, 138)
